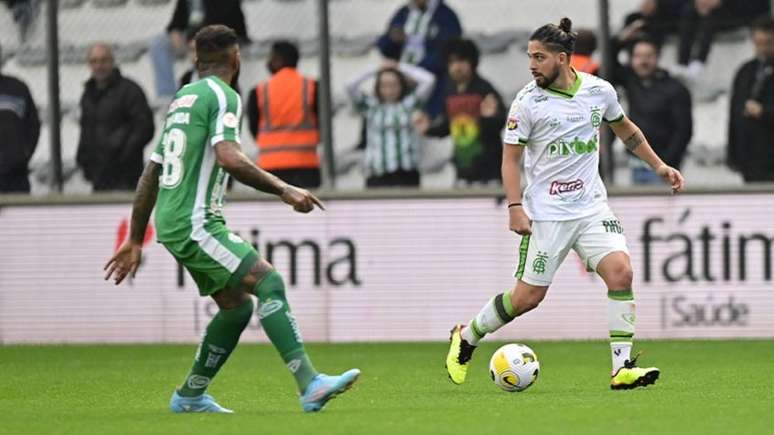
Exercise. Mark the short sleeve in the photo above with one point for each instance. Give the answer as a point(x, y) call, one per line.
point(613, 110)
point(517, 124)
point(225, 115)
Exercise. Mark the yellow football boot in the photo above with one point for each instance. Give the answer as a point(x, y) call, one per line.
point(460, 352)
point(630, 376)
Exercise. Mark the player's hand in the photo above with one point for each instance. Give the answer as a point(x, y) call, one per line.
point(301, 199)
point(518, 221)
point(672, 176)
point(124, 262)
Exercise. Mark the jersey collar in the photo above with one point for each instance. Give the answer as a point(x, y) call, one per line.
point(568, 93)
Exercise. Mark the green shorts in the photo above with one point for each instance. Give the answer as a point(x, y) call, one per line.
point(219, 260)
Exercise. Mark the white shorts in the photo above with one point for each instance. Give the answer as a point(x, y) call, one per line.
point(592, 237)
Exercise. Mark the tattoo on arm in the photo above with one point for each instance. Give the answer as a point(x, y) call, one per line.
point(633, 141)
point(144, 201)
point(231, 158)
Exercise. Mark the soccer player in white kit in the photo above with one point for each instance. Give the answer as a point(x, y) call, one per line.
point(554, 123)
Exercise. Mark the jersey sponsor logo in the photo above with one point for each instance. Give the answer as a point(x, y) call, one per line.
point(575, 117)
point(183, 102)
point(540, 98)
point(562, 148)
point(595, 90)
point(230, 120)
point(560, 187)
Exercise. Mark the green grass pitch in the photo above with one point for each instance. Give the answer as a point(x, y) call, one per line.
point(706, 387)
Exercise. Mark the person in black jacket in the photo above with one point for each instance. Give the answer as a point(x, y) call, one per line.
point(751, 121)
point(188, 17)
point(474, 115)
point(116, 124)
point(19, 130)
point(658, 103)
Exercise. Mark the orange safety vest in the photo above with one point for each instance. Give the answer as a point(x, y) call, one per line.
point(287, 126)
point(584, 63)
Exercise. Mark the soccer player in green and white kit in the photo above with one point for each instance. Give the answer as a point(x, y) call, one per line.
point(187, 179)
point(554, 122)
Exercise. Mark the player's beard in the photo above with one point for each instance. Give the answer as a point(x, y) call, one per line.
point(546, 81)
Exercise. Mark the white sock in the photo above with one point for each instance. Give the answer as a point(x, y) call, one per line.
point(621, 351)
point(493, 316)
point(620, 320)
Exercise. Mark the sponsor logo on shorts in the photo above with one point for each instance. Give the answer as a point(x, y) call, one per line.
point(234, 238)
point(560, 187)
point(613, 226)
point(268, 308)
point(198, 381)
point(540, 262)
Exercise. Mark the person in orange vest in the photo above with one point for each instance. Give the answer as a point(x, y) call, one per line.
point(585, 45)
point(282, 115)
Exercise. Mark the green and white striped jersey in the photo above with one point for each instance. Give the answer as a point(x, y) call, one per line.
point(192, 184)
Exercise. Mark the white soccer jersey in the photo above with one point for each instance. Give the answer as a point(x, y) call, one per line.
point(560, 129)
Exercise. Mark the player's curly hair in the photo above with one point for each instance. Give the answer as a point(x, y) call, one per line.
point(559, 38)
point(213, 44)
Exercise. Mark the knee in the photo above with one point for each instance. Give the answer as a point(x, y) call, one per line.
point(621, 278)
point(528, 301)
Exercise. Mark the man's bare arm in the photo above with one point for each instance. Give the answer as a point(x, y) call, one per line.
point(235, 162)
point(144, 201)
point(635, 141)
point(231, 158)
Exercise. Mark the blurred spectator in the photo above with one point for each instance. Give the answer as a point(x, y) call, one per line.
point(659, 104)
point(702, 19)
point(416, 35)
point(474, 115)
point(116, 125)
point(25, 14)
point(188, 17)
point(282, 115)
point(19, 130)
point(655, 18)
point(751, 121)
point(585, 46)
point(392, 150)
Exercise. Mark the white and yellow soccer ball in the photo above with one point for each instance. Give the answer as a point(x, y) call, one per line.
point(514, 367)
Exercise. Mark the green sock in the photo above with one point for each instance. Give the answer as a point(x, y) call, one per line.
point(281, 328)
point(219, 341)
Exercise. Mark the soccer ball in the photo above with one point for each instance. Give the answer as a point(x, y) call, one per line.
point(514, 367)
